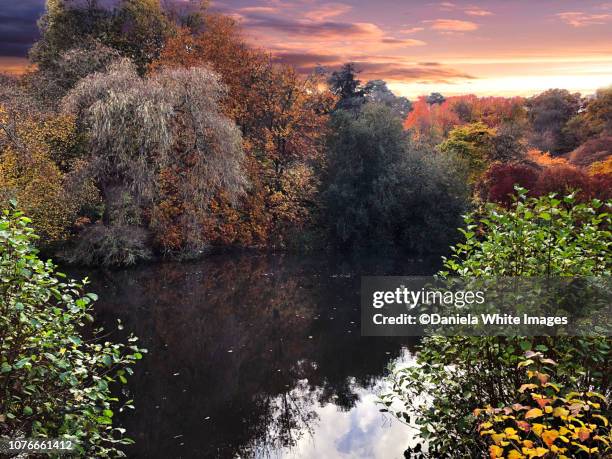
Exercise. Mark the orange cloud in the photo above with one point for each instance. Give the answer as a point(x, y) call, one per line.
point(452, 25)
point(329, 10)
point(580, 19)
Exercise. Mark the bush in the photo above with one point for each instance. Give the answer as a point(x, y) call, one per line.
point(100, 245)
point(55, 383)
point(453, 376)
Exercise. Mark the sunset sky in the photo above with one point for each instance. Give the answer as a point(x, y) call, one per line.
point(497, 47)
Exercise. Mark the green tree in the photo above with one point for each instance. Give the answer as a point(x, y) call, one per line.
point(378, 188)
point(347, 87)
point(54, 382)
point(137, 29)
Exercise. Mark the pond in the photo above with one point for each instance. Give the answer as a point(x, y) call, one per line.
point(256, 355)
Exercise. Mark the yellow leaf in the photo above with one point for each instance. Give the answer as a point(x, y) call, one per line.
point(525, 387)
point(560, 412)
point(514, 454)
point(533, 413)
point(497, 438)
point(538, 428)
point(495, 452)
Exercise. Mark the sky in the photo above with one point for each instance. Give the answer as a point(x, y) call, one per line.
point(493, 47)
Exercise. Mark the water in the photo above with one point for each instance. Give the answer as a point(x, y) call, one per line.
point(255, 355)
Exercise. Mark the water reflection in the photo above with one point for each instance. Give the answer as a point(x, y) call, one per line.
point(254, 356)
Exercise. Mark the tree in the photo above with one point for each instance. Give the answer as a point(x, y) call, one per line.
point(376, 91)
point(499, 181)
point(282, 117)
point(474, 144)
point(37, 165)
point(595, 120)
point(51, 82)
point(378, 189)
point(345, 85)
point(145, 133)
point(55, 383)
point(435, 98)
point(548, 115)
point(137, 29)
point(66, 25)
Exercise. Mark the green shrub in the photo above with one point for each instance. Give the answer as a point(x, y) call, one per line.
point(453, 376)
point(54, 382)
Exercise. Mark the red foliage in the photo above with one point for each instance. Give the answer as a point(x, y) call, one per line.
point(562, 179)
point(591, 151)
point(498, 182)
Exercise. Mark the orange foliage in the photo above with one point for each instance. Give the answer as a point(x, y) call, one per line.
point(437, 120)
point(544, 159)
point(282, 117)
point(601, 167)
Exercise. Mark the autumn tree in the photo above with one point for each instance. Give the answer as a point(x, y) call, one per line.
point(595, 120)
point(473, 144)
point(548, 114)
point(160, 149)
point(37, 167)
point(282, 117)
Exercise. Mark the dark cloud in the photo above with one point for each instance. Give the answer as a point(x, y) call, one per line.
point(18, 28)
point(400, 72)
point(430, 72)
point(325, 29)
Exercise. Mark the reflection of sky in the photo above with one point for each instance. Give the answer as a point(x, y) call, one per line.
point(362, 432)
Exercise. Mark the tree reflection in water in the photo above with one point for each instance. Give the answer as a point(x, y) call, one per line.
point(244, 349)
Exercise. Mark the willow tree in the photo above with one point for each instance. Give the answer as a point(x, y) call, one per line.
point(159, 150)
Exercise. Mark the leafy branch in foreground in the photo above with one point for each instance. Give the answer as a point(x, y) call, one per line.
point(54, 383)
point(453, 376)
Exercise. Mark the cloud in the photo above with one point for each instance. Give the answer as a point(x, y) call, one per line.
point(392, 69)
point(258, 9)
point(310, 28)
point(447, 6)
point(580, 19)
point(477, 12)
point(452, 25)
point(412, 30)
point(402, 41)
point(328, 10)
